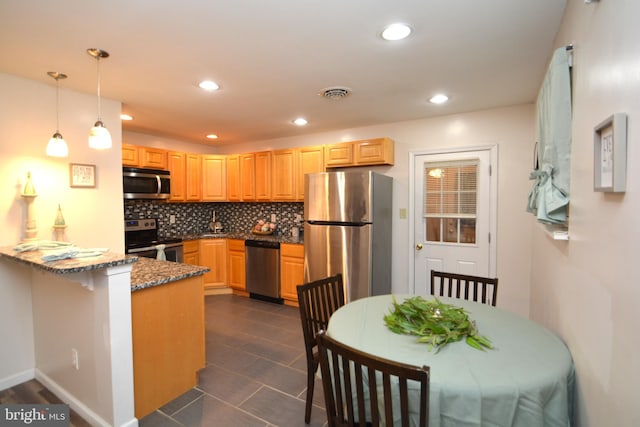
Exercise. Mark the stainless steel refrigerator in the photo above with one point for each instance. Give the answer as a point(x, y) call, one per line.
point(347, 230)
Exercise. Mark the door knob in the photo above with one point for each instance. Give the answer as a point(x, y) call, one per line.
point(419, 246)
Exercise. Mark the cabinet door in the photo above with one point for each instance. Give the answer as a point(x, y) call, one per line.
point(213, 254)
point(130, 155)
point(154, 158)
point(214, 178)
point(177, 167)
point(248, 176)
point(236, 271)
point(193, 177)
point(310, 160)
point(283, 171)
point(233, 178)
point(291, 270)
point(340, 154)
point(191, 252)
point(263, 176)
point(374, 151)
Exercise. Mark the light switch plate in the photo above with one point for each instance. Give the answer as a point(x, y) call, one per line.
point(403, 213)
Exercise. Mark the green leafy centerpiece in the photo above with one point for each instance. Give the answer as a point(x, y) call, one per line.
point(434, 323)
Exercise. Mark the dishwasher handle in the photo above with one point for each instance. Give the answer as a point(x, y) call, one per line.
point(268, 244)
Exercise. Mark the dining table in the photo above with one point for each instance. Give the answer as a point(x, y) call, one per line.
point(525, 380)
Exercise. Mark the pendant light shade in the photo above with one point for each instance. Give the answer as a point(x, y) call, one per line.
point(99, 136)
point(57, 147)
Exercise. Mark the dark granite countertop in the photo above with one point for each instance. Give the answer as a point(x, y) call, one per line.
point(240, 236)
point(67, 266)
point(148, 272)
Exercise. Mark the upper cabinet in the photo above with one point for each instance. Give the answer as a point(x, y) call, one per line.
point(233, 178)
point(130, 155)
point(263, 176)
point(144, 157)
point(214, 178)
point(368, 152)
point(309, 160)
point(177, 167)
point(276, 175)
point(283, 172)
point(193, 177)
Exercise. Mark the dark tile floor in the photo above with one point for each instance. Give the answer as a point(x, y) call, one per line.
point(255, 373)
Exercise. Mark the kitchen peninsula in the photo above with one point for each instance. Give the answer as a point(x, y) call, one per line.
point(99, 324)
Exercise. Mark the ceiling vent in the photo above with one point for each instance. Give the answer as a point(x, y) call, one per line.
point(335, 93)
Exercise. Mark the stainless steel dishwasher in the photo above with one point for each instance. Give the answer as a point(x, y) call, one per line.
point(262, 269)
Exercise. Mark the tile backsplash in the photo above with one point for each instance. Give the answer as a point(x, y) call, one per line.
point(192, 218)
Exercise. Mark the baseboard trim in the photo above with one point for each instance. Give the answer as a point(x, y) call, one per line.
point(16, 379)
point(83, 410)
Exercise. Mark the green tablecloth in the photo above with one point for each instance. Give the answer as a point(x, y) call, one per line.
point(527, 380)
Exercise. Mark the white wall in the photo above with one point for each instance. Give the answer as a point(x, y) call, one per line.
point(588, 289)
point(94, 216)
point(511, 129)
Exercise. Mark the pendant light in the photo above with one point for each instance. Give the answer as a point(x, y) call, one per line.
point(57, 147)
point(99, 136)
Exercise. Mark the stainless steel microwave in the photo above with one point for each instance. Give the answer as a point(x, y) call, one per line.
point(138, 183)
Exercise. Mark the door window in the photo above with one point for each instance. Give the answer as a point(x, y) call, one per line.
point(450, 201)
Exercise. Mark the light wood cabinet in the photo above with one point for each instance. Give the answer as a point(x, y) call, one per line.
point(213, 255)
point(191, 252)
point(234, 192)
point(378, 151)
point(291, 271)
point(167, 328)
point(283, 172)
point(310, 160)
point(193, 177)
point(248, 176)
point(236, 267)
point(154, 158)
point(214, 178)
point(368, 152)
point(263, 176)
point(130, 155)
point(177, 166)
point(339, 154)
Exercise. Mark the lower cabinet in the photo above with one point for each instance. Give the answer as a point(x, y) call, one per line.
point(236, 265)
point(167, 325)
point(213, 255)
point(191, 253)
point(291, 271)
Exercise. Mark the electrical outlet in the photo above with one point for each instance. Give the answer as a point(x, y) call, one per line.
point(172, 219)
point(273, 218)
point(75, 360)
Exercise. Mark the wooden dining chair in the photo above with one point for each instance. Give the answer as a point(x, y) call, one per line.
point(360, 389)
point(464, 286)
point(317, 301)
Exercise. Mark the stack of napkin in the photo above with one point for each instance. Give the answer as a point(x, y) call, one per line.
point(54, 251)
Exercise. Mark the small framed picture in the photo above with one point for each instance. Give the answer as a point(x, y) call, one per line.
point(82, 176)
point(610, 154)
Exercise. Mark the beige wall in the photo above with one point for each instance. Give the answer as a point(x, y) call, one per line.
point(587, 289)
point(94, 216)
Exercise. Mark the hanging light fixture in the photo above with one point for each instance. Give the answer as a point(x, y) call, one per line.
point(57, 147)
point(99, 136)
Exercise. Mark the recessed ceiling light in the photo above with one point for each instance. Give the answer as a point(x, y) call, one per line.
point(439, 99)
point(397, 31)
point(209, 85)
point(212, 136)
point(126, 117)
point(300, 121)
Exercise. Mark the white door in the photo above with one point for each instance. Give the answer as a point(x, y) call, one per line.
point(454, 215)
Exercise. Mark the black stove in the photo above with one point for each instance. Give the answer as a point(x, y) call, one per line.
point(141, 238)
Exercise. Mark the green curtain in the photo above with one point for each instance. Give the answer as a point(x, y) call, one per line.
point(549, 197)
